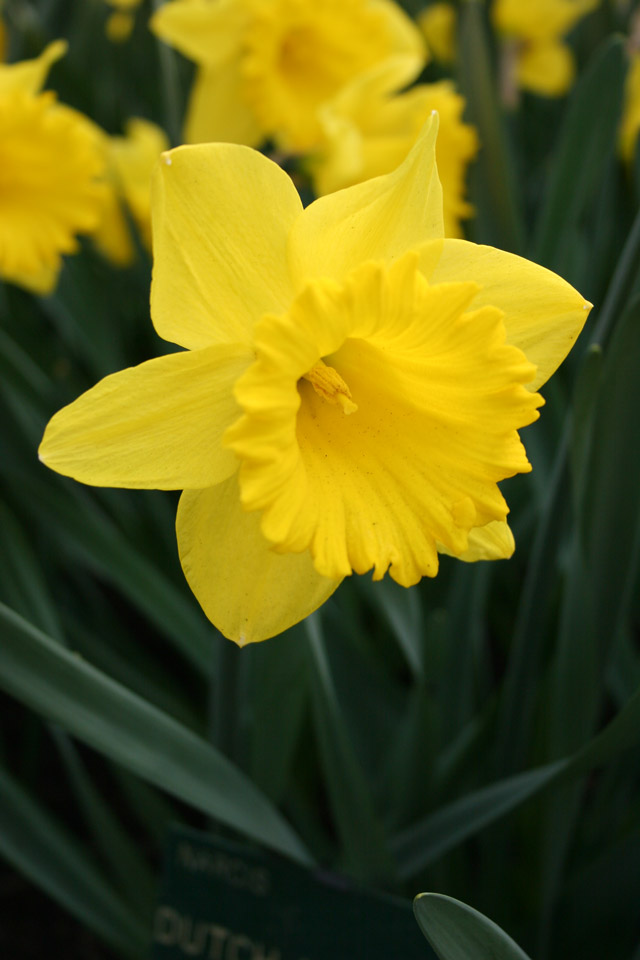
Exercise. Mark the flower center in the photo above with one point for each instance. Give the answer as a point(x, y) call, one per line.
point(330, 386)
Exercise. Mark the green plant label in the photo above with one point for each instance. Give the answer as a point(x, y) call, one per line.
point(226, 901)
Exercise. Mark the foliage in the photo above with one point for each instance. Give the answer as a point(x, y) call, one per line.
point(478, 734)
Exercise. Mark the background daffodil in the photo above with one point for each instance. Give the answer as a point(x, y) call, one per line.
point(130, 162)
point(438, 23)
point(534, 30)
point(50, 162)
point(121, 22)
point(369, 129)
point(265, 66)
point(630, 123)
point(351, 389)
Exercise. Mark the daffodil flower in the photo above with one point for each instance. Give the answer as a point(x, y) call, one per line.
point(543, 63)
point(130, 162)
point(438, 24)
point(351, 390)
point(265, 66)
point(630, 123)
point(369, 128)
point(50, 164)
point(121, 22)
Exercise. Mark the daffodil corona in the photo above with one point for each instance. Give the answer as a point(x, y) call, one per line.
point(351, 390)
point(50, 163)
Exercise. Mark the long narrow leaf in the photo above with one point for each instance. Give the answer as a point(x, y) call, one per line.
point(588, 138)
point(130, 731)
point(42, 849)
point(422, 843)
point(360, 830)
point(458, 932)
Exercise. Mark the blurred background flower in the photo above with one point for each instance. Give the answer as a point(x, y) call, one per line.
point(50, 164)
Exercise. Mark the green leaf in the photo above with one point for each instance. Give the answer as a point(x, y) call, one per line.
point(589, 135)
point(85, 530)
point(23, 584)
point(519, 690)
point(494, 188)
point(361, 832)
point(402, 611)
point(130, 731)
point(280, 682)
point(610, 517)
point(37, 845)
point(423, 843)
point(120, 854)
point(432, 837)
point(584, 398)
point(458, 932)
point(623, 282)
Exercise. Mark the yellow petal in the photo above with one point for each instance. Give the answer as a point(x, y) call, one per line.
point(221, 218)
point(30, 75)
point(217, 109)
point(113, 236)
point(156, 426)
point(132, 160)
point(360, 115)
point(438, 23)
point(246, 589)
point(209, 33)
point(41, 282)
point(299, 55)
point(369, 131)
point(119, 26)
point(377, 220)
point(539, 19)
point(212, 34)
point(494, 541)
point(543, 314)
point(546, 68)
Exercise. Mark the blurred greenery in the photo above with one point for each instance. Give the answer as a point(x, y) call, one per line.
point(479, 734)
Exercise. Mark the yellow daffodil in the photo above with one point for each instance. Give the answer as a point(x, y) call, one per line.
point(535, 51)
point(438, 24)
point(130, 162)
point(630, 124)
point(265, 66)
point(121, 21)
point(49, 164)
point(351, 390)
point(368, 130)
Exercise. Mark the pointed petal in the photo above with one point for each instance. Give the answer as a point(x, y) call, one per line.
point(156, 426)
point(494, 541)
point(543, 314)
point(203, 31)
point(246, 589)
point(42, 282)
point(217, 110)
point(221, 214)
point(30, 75)
point(377, 220)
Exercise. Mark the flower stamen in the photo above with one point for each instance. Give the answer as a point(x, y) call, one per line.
point(330, 386)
